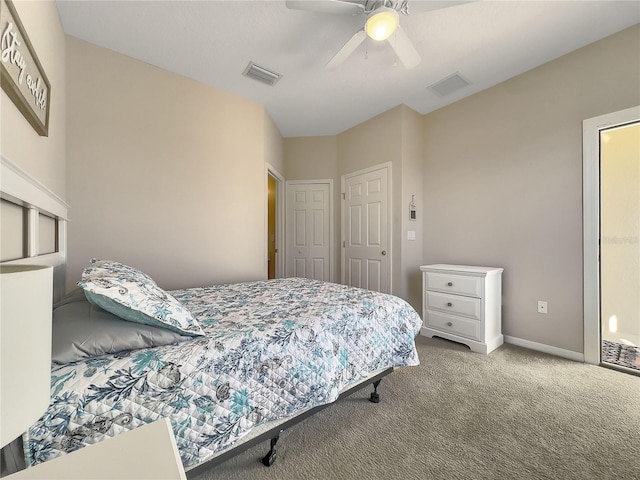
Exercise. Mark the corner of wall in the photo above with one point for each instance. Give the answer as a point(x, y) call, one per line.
point(273, 144)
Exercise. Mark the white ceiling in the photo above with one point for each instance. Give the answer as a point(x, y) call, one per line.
point(487, 42)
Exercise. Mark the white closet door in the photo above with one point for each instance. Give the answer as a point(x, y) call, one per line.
point(367, 256)
point(308, 237)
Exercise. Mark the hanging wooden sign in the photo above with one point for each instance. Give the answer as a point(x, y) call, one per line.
point(22, 77)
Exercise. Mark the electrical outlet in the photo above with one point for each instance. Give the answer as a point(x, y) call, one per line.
point(542, 307)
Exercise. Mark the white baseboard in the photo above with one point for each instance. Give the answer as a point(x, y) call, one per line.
point(541, 347)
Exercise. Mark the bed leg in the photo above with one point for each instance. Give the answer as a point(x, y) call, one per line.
point(375, 396)
point(270, 457)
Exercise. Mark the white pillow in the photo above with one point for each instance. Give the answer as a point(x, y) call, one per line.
point(134, 296)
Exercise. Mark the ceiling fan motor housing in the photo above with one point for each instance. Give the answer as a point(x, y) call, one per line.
point(401, 6)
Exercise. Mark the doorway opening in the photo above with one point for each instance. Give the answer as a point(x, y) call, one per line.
point(619, 247)
point(275, 223)
point(611, 240)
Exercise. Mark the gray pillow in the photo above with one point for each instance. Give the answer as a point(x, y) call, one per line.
point(82, 330)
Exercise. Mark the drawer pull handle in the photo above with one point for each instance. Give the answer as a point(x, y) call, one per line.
point(449, 284)
point(449, 324)
point(449, 304)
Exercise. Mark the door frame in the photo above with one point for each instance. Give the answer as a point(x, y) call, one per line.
point(591, 129)
point(343, 178)
point(326, 181)
point(280, 252)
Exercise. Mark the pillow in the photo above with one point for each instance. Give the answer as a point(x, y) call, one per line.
point(108, 267)
point(82, 330)
point(133, 296)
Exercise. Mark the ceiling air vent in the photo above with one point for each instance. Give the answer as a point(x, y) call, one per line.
point(261, 74)
point(448, 85)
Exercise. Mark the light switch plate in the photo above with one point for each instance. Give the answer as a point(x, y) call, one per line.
point(411, 235)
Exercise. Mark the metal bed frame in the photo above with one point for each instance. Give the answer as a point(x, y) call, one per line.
point(273, 434)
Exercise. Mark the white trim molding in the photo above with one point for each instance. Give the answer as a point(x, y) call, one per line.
point(541, 347)
point(20, 187)
point(591, 129)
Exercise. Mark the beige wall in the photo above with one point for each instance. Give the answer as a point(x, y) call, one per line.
point(620, 229)
point(164, 173)
point(41, 157)
point(311, 158)
point(376, 141)
point(503, 182)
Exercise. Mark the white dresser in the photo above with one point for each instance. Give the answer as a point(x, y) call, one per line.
point(463, 303)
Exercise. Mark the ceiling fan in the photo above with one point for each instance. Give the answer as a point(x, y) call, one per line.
point(382, 23)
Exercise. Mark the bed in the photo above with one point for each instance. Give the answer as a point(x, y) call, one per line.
point(226, 363)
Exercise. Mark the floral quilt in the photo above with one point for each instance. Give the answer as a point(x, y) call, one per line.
point(271, 349)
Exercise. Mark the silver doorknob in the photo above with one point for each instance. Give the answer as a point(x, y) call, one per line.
point(384, 253)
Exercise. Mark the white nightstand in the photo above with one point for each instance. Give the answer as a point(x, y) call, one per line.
point(148, 452)
point(464, 304)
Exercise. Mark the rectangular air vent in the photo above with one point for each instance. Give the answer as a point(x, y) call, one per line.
point(261, 74)
point(448, 85)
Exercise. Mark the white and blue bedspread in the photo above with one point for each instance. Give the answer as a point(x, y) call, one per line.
point(271, 349)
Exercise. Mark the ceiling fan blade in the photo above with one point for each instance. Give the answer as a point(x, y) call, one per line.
point(326, 6)
point(346, 50)
point(418, 6)
point(404, 49)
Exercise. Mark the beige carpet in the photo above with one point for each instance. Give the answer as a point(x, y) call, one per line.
point(513, 414)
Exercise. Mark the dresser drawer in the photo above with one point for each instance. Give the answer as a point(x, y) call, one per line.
point(454, 304)
point(456, 325)
point(456, 284)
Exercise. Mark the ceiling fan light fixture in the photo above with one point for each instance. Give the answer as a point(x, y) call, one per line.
point(382, 23)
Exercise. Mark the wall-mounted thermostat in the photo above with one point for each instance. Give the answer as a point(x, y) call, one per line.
point(412, 209)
